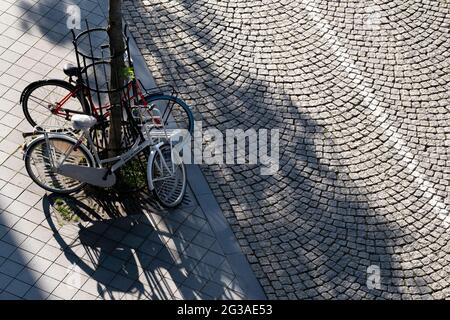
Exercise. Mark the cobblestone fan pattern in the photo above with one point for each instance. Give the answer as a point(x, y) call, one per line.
point(359, 92)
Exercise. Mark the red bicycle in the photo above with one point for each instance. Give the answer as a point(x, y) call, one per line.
point(52, 103)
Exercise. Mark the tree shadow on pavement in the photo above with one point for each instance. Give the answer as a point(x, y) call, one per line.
point(130, 246)
point(308, 231)
point(127, 245)
point(49, 18)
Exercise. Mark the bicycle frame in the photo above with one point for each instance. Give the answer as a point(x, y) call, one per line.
point(120, 160)
point(132, 86)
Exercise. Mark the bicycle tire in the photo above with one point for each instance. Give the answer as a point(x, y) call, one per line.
point(171, 192)
point(185, 115)
point(57, 181)
point(34, 119)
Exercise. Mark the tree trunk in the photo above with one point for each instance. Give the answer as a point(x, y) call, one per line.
point(117, 47)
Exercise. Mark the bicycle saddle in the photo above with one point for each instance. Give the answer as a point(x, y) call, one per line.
point(71, 70)
point(83, 121)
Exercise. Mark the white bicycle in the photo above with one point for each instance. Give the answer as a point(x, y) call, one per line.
point(61, 162)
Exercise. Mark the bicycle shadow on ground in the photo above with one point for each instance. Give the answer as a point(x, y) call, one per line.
point(132, 248)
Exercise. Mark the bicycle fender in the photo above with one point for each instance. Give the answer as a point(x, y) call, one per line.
point(35, 83)
point(149, 165)
point(63, 137)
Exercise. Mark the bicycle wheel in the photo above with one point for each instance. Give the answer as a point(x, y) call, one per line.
point(39, 166)
point(175, 113)
point(51, 103)
point(169, 187)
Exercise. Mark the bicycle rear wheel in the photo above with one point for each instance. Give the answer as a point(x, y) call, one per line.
point(38, 163)
point(51, 103)
point(169, 187)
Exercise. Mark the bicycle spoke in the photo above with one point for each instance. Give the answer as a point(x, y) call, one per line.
point(169, 186)
point(41, 169)
point(41, 102)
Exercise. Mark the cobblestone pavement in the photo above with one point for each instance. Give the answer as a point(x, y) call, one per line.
point(359, 91)
point(116, 252)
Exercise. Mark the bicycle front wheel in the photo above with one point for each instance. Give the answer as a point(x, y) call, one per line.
point(40, 157)
point(51, 104)
point(168, 177)
point(175, 113)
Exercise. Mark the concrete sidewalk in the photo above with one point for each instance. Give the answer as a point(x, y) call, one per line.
point(187, 253)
